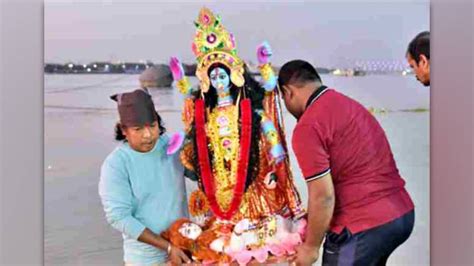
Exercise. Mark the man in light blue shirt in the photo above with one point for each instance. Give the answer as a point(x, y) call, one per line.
point(142, 187)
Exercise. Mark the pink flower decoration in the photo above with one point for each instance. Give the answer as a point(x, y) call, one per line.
point(277, 250)
point(194, 48)
point(290, 242)
point(243, 257)
point(226, 143)
point(175, 142)
point(222, 120)
point(301, 227)
point(232, 40)
point(206, 19)
point(261, 255)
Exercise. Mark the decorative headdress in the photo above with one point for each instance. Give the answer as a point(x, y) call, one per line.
point(213, 44)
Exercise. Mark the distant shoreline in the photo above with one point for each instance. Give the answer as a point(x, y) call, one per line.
point(135, 68)
point(172, 110)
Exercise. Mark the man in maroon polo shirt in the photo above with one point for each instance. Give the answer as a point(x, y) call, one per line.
point(356, 197)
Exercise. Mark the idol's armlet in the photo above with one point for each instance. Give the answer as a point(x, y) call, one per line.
point(184, 86)
point(277, 152)
point(268, 77)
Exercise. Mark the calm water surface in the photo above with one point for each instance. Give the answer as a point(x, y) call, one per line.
point(79, 122)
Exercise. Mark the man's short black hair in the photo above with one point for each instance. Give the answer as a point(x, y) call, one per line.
point(420, 45)
point(298, 73)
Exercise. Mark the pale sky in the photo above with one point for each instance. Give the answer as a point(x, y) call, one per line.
point(327, 33)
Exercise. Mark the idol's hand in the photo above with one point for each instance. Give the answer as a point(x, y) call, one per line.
point(176, 68)
point(264, 53)
point(175, 142)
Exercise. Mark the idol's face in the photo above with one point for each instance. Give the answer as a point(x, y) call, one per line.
point(190, 230)
point(220, 79)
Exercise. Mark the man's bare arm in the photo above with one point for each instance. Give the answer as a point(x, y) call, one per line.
point(321, 200)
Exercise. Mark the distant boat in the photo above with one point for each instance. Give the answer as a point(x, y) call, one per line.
point(348, 72)
point(156, 76)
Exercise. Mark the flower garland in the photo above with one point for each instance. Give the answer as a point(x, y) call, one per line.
point(205, 164)
point(223, 133)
